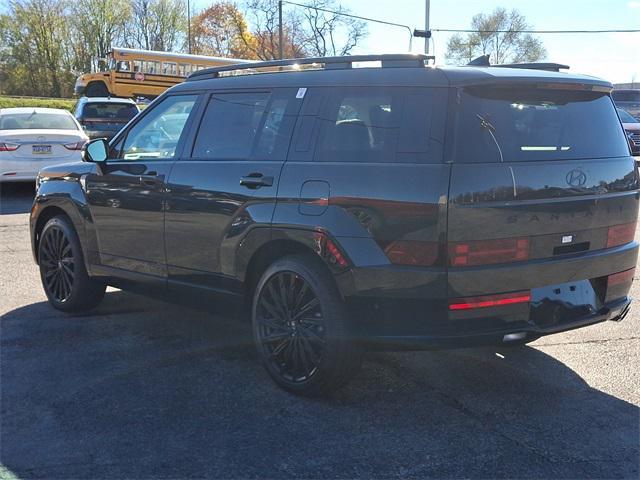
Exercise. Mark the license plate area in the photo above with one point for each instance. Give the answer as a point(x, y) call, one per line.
point(563, 302)
point(41, 149)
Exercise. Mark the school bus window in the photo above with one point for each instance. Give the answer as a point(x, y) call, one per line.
point(169, 68)
point(137, 65)
point(123, 66)
point(184, 69)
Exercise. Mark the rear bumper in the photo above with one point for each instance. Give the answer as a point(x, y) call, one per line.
point(614, 311)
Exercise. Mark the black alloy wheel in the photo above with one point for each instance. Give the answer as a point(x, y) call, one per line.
point(62, 271)
point(291, 326)
point(301, 328)
point(58, 264)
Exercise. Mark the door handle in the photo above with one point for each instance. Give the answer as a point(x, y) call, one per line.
point(256, 180)
point(151, 178)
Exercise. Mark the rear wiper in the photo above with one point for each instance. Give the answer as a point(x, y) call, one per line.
point(488, 126)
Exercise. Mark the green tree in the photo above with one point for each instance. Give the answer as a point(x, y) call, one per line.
point(98, 25)
point(38, 39)
point(499, 35)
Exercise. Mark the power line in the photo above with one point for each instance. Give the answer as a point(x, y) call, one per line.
point(532, 31)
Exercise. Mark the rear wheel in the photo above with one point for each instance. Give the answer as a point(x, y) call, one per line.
point(62, 271)
point(300, 327)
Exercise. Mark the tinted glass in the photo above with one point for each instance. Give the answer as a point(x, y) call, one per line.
point(626, 117)
point(120, 112)
point(382, 125)
point(157, 134)
point(512, 125)
point(626, 95)
point(33, 120)
point(235, 127)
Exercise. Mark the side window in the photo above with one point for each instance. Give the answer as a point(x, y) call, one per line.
point(157, 134)
point(380, 125)
point(242, 126)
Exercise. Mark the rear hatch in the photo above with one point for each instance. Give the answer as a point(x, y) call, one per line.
point(42, 144)
point(105, 119)
point(539, 175)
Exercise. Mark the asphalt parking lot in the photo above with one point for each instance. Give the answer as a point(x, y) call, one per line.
point(143, 389)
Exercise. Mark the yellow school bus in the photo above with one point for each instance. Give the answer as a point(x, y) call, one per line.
point(132, 73)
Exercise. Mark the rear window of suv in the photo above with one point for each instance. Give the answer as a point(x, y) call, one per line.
point(121, 112)
point(527, 124)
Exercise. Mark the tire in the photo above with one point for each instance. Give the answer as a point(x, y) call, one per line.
point(97, 89)
point(301, 329)
point(62, 269)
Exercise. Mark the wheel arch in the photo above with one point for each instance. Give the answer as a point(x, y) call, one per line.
point(280, 243)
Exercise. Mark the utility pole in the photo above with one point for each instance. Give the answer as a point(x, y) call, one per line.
point(189, 25)
point(280, 46)
point(426, 24)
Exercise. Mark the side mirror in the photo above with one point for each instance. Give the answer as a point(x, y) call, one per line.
point(96, 151)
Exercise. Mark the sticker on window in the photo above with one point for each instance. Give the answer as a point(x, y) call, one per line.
point(301, 92)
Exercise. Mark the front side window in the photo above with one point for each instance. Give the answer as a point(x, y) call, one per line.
point(526, 124)
point(157, 134)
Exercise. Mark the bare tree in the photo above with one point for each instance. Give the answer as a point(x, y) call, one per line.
point(157, 25)
point(499, 35)
point(263, 15)
point(331, 34)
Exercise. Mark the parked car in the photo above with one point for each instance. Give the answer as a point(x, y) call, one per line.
point(631, 126)
point(103, 116)
point(628, 99)
point(390, 207)
point(33, 138)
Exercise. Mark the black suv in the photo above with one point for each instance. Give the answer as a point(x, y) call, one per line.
point(394, 205)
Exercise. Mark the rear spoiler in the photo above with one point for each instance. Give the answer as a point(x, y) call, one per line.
point(483, 61)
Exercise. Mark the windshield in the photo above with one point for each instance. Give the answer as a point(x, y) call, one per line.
point(527, 124)
point(626, 117)
point(37, 120)
point(117, 112)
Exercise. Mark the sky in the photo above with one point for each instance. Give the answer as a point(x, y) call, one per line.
point(613, 56)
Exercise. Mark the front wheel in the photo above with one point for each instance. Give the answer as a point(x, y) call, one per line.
point(64, 276)
point(301, 329)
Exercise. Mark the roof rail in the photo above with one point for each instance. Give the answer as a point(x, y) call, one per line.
point(316, 63)
point(551, 67)
point(483, 61)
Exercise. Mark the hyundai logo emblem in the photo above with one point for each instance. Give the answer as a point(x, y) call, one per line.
point(576, 178)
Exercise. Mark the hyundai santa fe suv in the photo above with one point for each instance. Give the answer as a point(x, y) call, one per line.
point(397, 205)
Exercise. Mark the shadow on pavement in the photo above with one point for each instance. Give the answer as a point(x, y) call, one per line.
point(16, 197)
point(142, 389)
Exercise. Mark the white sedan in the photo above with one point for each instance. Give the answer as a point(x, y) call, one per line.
point(33, 138)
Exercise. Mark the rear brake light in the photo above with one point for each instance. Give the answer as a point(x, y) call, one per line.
point(74, 146)
point(8, 147)
point(482, 252)
point(621, 234)
point(411, 252)
point(621, 277)
point(469, 303)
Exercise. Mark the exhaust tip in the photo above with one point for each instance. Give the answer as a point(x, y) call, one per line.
point(512, 337)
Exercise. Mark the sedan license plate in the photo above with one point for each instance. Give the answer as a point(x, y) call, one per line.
point(41, 149)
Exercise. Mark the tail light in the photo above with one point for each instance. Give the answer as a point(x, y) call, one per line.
point(483, 252)
point(618, 284)
point(8, 147)
point(621, 278)
point(621, 234)
point(74, 146)
point(470, 303)
point(411, 252)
